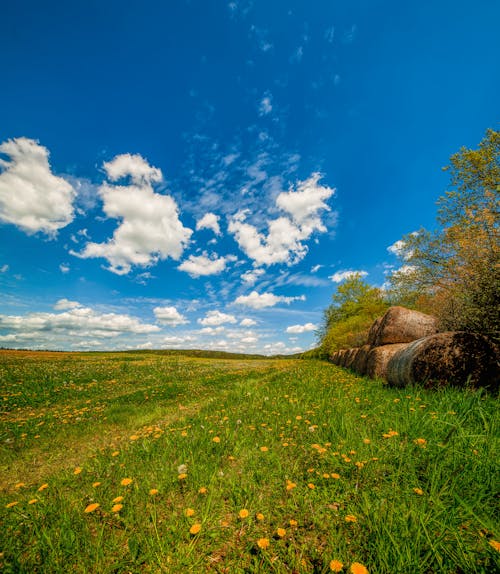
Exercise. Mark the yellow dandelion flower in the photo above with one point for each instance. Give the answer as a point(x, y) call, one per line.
point(43, 487)
point(134, 437)
point(290, 485)
point(335, 475)
point(19, 485)
point(153, 491)
point(115, 453)
point(126, 481)
point(263, 543)
point(420, 442)
point(96, 484)
point(189, 512)
point(326, 475)
point(418, 491)
point(243, 513)
point(293, 522)
point(311, 486)
point(216, 439)
point(11, 504)
point(195, 528)
point(117, 508)
point(351, 518)
point(33, 501)
point(203, 490)
point(182, 476)
point(184, 433)
point(281, 532)
point(336, 566)
point(77, 470)
point(259, 516)
point(117, 499)
point(367, 441)
point(264, 449)
point(357, 568)
point(92, 507)
point(495, 544)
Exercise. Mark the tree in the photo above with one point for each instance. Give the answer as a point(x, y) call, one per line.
point(356, 304)
point(456, 269)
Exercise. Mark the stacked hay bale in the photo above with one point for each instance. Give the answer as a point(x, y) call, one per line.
point(404, 347)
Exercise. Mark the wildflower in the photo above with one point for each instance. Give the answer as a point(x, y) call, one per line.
point(311, 486)
point(243, 513)
point(115, 453)
point(326, 475)
point(494, 544)
point(264, 449)
point(195, 528)
point(351, 518)
point(33, 501)
point(367, 441)
point(357, 568)
point(335, 475)
point(290, 485)
point(117, 499)
point(189, 512)
point(281, 532)
point(77, 470)
point(293, 522)
point(216, 439)
point(336, 566)
point(126, 481)
point(43, 487)
point(263, 543)
point(96, 484)
point(418, 491)
point(92, 507)
point(182, 476)
point(259, 516)
point(19, 485)
point(11, 504)
point(203, 490)
point(117, 508)
point(153, 491)
point(134, 437)
point(420, 442)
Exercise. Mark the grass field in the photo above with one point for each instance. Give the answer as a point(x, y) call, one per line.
point(143, 462)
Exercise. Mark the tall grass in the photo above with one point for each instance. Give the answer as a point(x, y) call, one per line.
point(170, 464)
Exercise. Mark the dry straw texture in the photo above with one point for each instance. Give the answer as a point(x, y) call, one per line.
point(400, 325)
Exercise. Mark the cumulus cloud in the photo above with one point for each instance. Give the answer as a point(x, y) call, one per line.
point(175, 341)
point(252, 275)
point(262, 300)
point(31, 196)
point(215, 318)
point(212, 331)
point(284, 242)
point(340, 276)
point(150, 228)
point(295, 329)
point(64, 304)
point(265, 106)
point(209, 221)
point(247, 322)
point(73, 322)
point(197, 265)
point(400, 248)
point(169, 316)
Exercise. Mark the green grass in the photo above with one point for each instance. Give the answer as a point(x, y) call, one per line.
point(361, 486)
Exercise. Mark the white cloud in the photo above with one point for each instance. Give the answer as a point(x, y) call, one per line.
point(169, 316)
point(178, 340)
point(265, 106)
point(400, 248)
point(215, 318)
point(64, 267)
point(212, 331)
point(209, 221)
point(252, 275)
point(262, 300)
point(197, 265)
point(340, 276)
point(249, 340)
point(301, 328)
point(316, 268)
point(64, 304)
point(247, 322)
point(284, 241)
point(74, 322)
point(4, 268)
point(31, 196)
point(150, 229)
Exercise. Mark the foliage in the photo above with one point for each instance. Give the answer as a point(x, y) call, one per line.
point(455, 270)
point(356, 304)
point(137, 462)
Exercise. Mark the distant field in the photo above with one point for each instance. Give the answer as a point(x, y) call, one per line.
point(150, 462)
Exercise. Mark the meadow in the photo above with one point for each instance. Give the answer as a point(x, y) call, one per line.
point(149, 462)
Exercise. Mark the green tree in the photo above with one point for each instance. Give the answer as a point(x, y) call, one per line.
point(456, 269)
point(346, 322)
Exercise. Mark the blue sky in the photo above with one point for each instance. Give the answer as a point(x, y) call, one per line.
point(202, 174)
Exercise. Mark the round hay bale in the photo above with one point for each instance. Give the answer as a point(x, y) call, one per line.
point(350, 356)
point(453, 358)
point(334, 358)
point(401, 325)
point(343, 357)
point(359, 363)
point(372, 333)
point(378, 358)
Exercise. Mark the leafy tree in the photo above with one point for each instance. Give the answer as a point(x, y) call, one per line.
point(456, 269)
point(356, 304)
